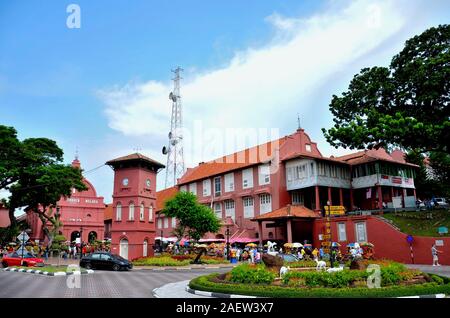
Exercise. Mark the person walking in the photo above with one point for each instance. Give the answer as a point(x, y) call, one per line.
point(434, 253)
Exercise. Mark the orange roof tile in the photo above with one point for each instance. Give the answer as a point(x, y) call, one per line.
point(372, 155)
point(245, 158)
point(108, 214)
point(135, 156)
point(289, 211)
point(163, 195)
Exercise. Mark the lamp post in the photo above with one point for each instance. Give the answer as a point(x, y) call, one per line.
point(81, 242)
point(331, 237)
point(227, 233)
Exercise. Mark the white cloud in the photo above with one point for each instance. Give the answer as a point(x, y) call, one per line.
point(260, 85)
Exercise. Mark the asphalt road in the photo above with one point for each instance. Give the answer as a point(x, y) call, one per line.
point(136, 283)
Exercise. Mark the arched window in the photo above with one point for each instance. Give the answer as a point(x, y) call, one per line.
point(150, 213)
point(131, 212)
point(119, 212)
point(141, 212)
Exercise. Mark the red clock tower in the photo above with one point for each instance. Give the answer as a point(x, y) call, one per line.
point(134, 201)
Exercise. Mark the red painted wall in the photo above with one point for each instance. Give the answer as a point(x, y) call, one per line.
point(389, 242)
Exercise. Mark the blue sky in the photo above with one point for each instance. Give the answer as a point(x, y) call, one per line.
point(248, 64)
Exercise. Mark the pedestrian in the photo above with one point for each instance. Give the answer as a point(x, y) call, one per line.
point(321, 253)
point(434, 253)
point(315, 253)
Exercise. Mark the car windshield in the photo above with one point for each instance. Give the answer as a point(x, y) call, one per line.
point(118, 257)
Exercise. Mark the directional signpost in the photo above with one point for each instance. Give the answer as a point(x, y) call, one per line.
point(23, 237)
point(410, 240)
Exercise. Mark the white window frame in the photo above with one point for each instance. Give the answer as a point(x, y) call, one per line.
point(141, 212)
point(230, 209)
point(342, 232)
point(219, 192)
point(159, 223)
point(297, 198)
point(308, 148)
point(174, 222)
point(247, 178)
point(264, 174)
point(131, 211)
point(150, 213)
point(193, 188)
point(183, 188)
point(249, 207)
point(357, 233)
point(229, 182)
point(265, 203)
point(207, 187)
point(119, 212)
point(218, 210)
point(166, 222)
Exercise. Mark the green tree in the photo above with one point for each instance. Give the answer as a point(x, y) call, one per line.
point(194, 218)
point(32, 171)
point(405, 104)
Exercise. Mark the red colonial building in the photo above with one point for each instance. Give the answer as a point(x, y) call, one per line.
point(278, 190)
point(81, 215)
point(134, 198)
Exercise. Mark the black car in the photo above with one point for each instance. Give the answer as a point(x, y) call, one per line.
point(105, 260)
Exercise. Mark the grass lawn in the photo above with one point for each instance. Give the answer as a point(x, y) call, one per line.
point(423, 223)
point(50, 269)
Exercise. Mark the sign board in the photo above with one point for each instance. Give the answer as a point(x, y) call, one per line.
point(320, 237)
point(397, 202)
point(409, 239)
point(78, 240)
point(335, 209)
point(439, 243)
point(443, 230)
point(23, 237)
point(22, 249)
point(327, 236)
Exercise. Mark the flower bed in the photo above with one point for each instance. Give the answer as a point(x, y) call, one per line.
point(256, 280)
point(176, 260)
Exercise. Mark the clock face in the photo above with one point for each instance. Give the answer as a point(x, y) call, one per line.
point(125, 181)
point(147, 182)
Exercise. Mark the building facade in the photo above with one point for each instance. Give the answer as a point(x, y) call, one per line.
point(81, 215)
point(134, 199)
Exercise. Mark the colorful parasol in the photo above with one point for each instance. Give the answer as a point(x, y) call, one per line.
point(335, 244)
point(289, 245)
point(368, 244)
point(251, 245)
point(297, 245)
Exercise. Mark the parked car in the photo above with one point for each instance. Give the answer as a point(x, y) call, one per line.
point(105, 260)
point(15, 259)
point(289, 258)
point(441, 202)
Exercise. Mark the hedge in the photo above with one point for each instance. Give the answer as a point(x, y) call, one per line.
point(205, 283)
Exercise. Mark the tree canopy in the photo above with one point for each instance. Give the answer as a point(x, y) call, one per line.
point(194, 218)
point(405, 104)
point(33, 172)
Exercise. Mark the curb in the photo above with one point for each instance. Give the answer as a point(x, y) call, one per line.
point(215, 295)
point(39, 272)
point(425, 296)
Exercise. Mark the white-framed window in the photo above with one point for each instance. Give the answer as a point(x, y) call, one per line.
point(131, 211)
point(119, 212)
point(361, 232)
point(150, 213)
point(217, 187)
point(229, 182)
point(218, 210)
point(308, 147)
point(193, 188)
point(265, 203)
point(174, 223)
point(290, 174)
point(183, 188)
point(159, 223)
point(342, 232)
point(141, 212)
point(229, 209)
point(207, 187)
point(297, 198)
point(249, 210)
point(166, 222)
point(264, 174)
point(247, 178)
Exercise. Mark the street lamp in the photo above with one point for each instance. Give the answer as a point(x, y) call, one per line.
point(331, 237)
point(227, 232)
point(81, 242)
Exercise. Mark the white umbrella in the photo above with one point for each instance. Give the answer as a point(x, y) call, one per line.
point(297, 245)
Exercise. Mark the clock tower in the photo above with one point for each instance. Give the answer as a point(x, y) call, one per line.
point(134, 201)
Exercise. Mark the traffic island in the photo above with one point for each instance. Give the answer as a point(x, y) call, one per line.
point(49, 270)
point(394, 280)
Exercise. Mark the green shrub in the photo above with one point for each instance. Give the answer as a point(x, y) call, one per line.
point(438, 280)
point(251, 274)
point(305, 263)
point(160, 261)
point(206, 283)
point(341, 279)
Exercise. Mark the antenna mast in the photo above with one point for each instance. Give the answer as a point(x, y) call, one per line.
point(175, 157)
